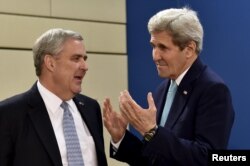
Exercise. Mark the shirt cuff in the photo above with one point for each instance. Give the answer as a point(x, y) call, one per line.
point(115, 146)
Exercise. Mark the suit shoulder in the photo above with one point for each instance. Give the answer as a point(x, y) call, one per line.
point(210, 82)
point(13, 107)
point(213, 76)
point(209, 78)
point(85, 98)
point(14, 100)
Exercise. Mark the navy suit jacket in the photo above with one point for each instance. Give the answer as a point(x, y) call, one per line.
point(26, 134)
point(200, 120)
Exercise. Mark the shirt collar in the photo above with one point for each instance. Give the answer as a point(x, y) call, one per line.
point(52, 102)
point(179, 79)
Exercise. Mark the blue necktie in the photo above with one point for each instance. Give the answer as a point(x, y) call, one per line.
point(169, 100)
point(74, 154)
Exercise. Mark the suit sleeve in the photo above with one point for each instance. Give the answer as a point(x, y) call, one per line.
point(130, 151)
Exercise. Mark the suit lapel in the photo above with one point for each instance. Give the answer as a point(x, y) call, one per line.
point(183, 92)
point(160, 99)
point(82, 106)
point(90, 118)
point(41, 121)
point(178, 105)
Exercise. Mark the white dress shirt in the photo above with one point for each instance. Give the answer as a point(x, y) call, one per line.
point(52, 103)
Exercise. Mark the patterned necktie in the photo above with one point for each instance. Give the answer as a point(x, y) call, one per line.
point(74, 153)
point(170, 97)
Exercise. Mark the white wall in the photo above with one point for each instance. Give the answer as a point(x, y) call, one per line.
point(101, 23)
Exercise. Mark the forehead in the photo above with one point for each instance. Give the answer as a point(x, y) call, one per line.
point(72, 41)
point(161, 36)
point(73, 44)
point(73, 47)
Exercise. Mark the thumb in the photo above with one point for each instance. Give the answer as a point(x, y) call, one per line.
point(151, 103)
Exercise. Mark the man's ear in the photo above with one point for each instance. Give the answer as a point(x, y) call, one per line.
point(190, 49)
point(49, 62)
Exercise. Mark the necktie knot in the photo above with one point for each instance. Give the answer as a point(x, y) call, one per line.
point(173, 86)
point(64, 105)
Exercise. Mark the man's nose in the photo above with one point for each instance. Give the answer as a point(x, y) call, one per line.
point(156, 54)
point(84, 65)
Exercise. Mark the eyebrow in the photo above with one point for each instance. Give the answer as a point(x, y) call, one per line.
point(85, 56)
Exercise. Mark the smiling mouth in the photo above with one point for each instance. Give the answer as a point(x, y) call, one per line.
point(160, 64)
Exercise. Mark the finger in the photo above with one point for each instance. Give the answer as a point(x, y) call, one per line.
point(122, 107)
point(151, 102)
point(106, 117)
point(122, 101)
point(107, 123)
point(105, 103)
point(131, 101)
point(107, 109)
point(124, 113)
point(109, 104)
point(133, 110)
point(128, 112)
point(123, 121)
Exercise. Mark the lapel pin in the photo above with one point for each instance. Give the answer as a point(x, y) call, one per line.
point(185, 92)
point(81, 103)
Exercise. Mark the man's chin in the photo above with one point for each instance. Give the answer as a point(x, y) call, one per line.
point(77, 91)
point(162, 75)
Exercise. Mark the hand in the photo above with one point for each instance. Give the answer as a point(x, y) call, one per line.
point(114, 122)
point(141, 119)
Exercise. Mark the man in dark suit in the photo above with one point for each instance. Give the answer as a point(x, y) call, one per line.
point(32, 124)
point(201, 113)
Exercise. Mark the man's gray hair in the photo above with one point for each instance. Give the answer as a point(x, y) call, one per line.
point(51, 42)
point(182, 24)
